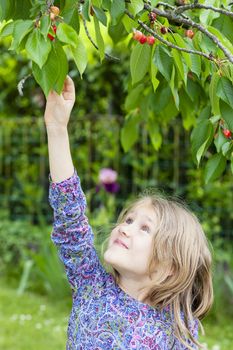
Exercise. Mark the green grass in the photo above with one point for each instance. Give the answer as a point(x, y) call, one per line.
point(31, 322)
point(34, 322)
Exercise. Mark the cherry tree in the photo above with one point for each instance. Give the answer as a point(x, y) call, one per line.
point(180, 62)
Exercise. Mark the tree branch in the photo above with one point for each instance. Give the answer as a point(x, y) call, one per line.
point(164, 41)
point(173, 17)
point(107, 56)
point(181, 9)
point(94, 44)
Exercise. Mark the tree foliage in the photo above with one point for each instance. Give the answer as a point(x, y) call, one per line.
point(185, 68)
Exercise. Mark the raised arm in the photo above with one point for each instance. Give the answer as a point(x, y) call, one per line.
point(56, 117)
point(72, 233)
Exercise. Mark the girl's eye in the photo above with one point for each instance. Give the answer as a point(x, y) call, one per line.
point(146, 228)
point(129, 221)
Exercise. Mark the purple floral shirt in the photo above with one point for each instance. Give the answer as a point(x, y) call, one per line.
point(103, 316)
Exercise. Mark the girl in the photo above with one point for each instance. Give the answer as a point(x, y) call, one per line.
point(160, 282)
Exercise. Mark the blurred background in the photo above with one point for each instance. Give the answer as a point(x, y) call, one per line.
point(35, 297)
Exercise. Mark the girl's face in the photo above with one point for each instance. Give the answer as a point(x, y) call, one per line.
point(130, 244)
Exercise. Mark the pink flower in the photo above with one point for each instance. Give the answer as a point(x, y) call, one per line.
point(107, 179)
point(107, 176)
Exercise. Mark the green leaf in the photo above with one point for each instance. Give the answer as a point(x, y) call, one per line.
point(161, 97)
point(6, 29)
point(227, 148)
point(132, 99)
point(214, 167)
point(117, 10)
point(163, 62)
point(225, 91)
point(196, 65)
point(71, 15)
point(221, 37)
point(86, 10)
point(45, 25)
point(219, 140)
point(201, 138)
point(135, 6)
point(179, 64)
point(174, 89)
point(154, 133)
point(63, 67)
point(100, 14)
point(67, 34)
point(21, 29)
point(53, 73)
point(99, 39)
point(153, 73)
point(80, 56)
point(117, 32)
point(6, 9)
point(227, 114)
point(37, 48)
point(212, 92)
point(175, 38)
point(47, 76)
point(232, 162)
point(139, 62)
point(129, 132)
point(128, 23)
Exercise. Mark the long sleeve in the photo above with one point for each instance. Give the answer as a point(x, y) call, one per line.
point(72, 234)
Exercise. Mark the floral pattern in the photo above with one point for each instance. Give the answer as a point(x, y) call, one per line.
point(103, 316)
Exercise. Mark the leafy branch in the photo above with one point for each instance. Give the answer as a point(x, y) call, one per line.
point(172, 16)
point(184, 8)
point(164, 41)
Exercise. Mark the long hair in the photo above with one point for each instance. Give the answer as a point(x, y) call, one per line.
point(182, 258)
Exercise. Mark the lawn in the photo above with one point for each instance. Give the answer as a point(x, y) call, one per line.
point(34, 322)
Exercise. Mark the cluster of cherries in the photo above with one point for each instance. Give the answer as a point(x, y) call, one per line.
point(140, 37)
point(54, 12)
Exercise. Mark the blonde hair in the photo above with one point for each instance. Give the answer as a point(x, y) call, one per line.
point(182, 258)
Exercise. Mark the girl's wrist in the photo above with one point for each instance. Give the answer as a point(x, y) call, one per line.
point(54, 129)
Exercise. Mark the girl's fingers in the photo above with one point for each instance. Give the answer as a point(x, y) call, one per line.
point(69, 89)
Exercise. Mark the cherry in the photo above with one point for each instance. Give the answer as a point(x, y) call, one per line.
point(163, 30)
point(189, 33)
point(54, 28)
point(227, 133)
point(150, 40)
point(143, 39)
point(137, 35)
point(51, 37)
point(152, 17)
point(55, 10)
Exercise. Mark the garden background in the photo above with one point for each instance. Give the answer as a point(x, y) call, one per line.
point(35, 297)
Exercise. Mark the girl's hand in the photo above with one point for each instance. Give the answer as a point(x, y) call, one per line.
point(59, 107)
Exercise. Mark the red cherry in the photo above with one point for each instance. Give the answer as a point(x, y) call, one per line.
point(150, 40)
point(51, 37)
point(137, 35)
point(54, 28)
point(163, 30)
point(143, 39)
point(189, 33)
point(152, 16)
point(227, 133)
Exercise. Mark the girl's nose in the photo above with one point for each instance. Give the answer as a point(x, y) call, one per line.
point(123, 230)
